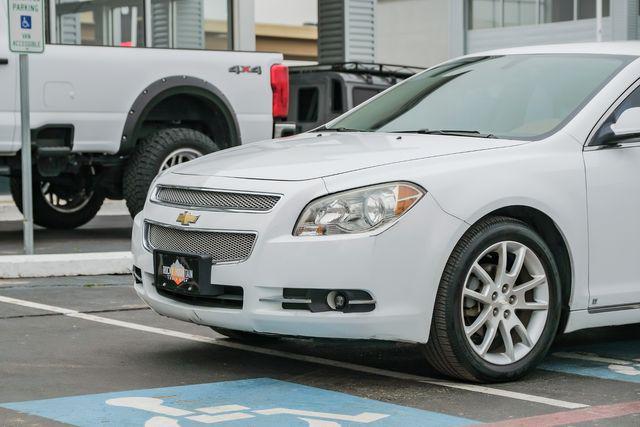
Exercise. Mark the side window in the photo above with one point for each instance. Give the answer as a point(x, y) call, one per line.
point(337, 105)
point(632, 101)
point(98, 23)
point(181, 24)
point(361, 94)
point(308, 98)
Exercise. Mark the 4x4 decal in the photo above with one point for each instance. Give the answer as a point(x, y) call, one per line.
point(240, 69)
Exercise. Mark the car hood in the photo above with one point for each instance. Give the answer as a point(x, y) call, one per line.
point(310, 156)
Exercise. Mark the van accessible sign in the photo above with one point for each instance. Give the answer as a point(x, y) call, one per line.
point(26, 29)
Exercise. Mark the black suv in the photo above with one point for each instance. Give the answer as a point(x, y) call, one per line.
point(320, 93)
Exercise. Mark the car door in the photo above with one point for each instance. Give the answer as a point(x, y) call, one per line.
point(613, 205)
point(8, 89)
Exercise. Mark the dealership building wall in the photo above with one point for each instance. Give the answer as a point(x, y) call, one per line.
point(412, 32)
point(425, 32)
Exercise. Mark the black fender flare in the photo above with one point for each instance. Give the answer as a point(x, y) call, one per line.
point(163, 88)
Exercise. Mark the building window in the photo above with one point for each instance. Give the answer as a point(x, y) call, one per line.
point(557, 10)
point(186, 24)
point(484, 14)
point(587, 9)
point(507, 13)
point(519, 12)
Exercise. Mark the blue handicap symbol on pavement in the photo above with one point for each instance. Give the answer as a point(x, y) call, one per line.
point(25, 22)
point(618, 361)
point(256, 402)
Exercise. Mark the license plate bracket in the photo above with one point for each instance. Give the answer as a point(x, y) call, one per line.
point(184, 274)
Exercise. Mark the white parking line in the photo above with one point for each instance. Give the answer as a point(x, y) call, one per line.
point(298, 357)
point(591, 358)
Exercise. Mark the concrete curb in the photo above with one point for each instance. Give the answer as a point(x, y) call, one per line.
point(57, 265)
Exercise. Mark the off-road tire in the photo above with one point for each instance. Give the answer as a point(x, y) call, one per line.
point(46, 216)
point(144, 164)
point(447, 349)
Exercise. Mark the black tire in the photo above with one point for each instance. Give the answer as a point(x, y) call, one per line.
point(47, 216)
point(146, 161)
point(243, 336)
point(448, 349)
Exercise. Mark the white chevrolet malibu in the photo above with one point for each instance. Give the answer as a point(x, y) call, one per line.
point(479, 208)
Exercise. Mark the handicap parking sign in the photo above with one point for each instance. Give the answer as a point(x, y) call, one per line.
point(25, 22)
point(255, 402)
point(26, 25)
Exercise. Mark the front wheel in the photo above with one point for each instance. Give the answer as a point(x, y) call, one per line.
point(63, 202)
point(498, 305)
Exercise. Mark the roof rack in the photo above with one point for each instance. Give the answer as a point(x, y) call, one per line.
point(369, 68)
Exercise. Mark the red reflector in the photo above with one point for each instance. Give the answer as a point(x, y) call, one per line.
point(280, 87)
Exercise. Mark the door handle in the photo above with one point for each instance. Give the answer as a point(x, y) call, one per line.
point(4, 61)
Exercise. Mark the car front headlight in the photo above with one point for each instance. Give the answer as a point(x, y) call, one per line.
point(358, 211)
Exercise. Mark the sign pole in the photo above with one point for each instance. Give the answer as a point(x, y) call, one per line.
point(25, 126)
point(26, 36)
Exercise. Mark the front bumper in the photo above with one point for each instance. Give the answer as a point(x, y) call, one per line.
point(400, 268)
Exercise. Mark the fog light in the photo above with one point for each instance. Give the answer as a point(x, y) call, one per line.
point(337, 300)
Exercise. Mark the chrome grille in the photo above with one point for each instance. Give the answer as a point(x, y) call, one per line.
point(219, 245)
point(197, 198)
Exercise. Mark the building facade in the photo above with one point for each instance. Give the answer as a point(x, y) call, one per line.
point(430, 31)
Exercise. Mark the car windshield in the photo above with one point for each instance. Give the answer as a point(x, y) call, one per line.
point(512, 96)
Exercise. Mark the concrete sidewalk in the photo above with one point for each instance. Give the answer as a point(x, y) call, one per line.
point(99, 247)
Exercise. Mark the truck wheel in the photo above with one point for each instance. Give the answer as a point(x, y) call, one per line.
point(162, 150)
point(63, 203)
point(498, 305)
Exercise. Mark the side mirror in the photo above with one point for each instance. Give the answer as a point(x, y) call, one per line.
point(628, 124)
point(626, 127)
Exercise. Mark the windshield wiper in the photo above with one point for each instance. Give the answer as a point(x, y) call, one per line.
point(471, 133)
point(340, 129)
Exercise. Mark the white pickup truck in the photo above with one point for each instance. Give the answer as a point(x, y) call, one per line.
point(106, 120)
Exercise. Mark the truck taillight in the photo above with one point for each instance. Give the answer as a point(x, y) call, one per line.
point(280, 87)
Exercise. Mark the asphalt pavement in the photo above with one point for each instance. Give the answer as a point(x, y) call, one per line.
point(85, 351)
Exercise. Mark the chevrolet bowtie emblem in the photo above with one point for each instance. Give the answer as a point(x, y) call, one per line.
point(187, 218)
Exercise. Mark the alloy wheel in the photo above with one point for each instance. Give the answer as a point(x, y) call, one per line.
point(505, 303)
point(65, 203)
point(178, 156)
